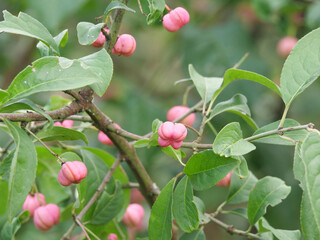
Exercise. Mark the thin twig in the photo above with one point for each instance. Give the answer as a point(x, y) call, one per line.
point(131, 185)
point(141, 10)
point(82, 227)
point(231, 229)
point(40, 141)
point(104, 182)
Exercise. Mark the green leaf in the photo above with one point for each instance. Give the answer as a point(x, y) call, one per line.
point(241, 212)
point(239, 189)
point(51, 74)
point(24, 104)
point(156, 9)
point(88, 32)
point(301, 68)
point(268, 191)
point(229, 141)
point(116, 5)
point(27, 26)
point(155, 125)
point(306, 170)
point(141, 143)
point(242, 170)
point(119, 175)
point(201, 210)
point(97, 169)
point(56, 102)
point(108, 206)
point(100, 64)
point(177, 154)
point(184, 210)
point(298, 135)
point(160, 222)
point(61, 134)
point(61, 40)
point(4, 197)
point(206, 168)
point(195, 235)
point(280, 233)
point(236, 74)
point(5, 167)
point(23, 169)
point(3, 95)
point(205, 86)
point(9, 230)
point(238, 105)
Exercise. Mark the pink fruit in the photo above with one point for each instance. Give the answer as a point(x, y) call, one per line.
point(125, 45)
point(100, 41)
point(175, 19)
point(103, 138)
point(171, 134)
point(133, 215)
point(225, 182)
point(32, 202)
point(46, 216)
point(112, 236)
point(66, 123)
point(72, 172)
point(178, 111)
point(285, 46)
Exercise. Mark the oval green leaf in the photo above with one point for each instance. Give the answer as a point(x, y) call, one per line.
point(184, 210)
point(268, 191)
point(301, 68)
point(22, 171)
point(61, 134)
point(206, 168)
point(160, 222)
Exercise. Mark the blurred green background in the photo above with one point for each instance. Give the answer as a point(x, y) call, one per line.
point(220, 32)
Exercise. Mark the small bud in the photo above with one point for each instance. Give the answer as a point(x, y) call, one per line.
point(46, 216)
point(178, 111)
point(125, 45)
point(136, 196)
point(175, 19)
point(103, 138)
point(100, 41)
point(171, 134)
point(72, 172)
point(133, 215)
point(112, 236)
point(33, 202)
point(225, 182)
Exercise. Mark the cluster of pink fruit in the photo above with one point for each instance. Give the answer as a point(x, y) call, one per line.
point(125, 44)
point(44, 215)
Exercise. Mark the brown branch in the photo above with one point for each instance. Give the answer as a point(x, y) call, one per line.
point(58, 114)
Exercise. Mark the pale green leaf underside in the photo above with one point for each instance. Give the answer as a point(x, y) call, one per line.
point(238, 105)
point(205, 86)
point(88, 32)
point(27, 26)
point(229, 141)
